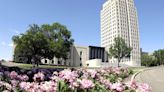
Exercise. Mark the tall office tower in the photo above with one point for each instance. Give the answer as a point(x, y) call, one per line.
point(119, 18)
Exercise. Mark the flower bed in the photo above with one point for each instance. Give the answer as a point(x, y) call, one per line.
point(75, 80)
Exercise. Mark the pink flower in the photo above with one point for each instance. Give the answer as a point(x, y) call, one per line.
point(92, 73)
point(144, 88)
point(117, 70)
point(74, 85)
point(6, 85)
point(13, 75)
point(14, 83)
point(102, 71)
point(68, 75)
point(23, 77)
point(106, 83)
point(6, 91)
point(38, 77)
point(85, 75)
point(29, 87)
point(49, 86)
point(55, 73)
point(55, 78)
point(1, 83)
point(23, 85)
point(86, 84)
point(118, 87)
point(132, 84)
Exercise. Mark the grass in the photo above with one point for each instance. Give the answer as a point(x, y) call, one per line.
point(29, 66)
point(137, 69)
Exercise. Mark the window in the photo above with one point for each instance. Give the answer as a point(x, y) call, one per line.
point(45, 61)
point(107, 61)
point(81, 53)
point(59, 62)
point(52, 61)
point(80, 64)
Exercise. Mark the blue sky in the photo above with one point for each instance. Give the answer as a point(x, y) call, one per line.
point(82, 17)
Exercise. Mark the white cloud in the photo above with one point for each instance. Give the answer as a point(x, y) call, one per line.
point(14, 31)
point(11, 45)
point(3, 43)
point(17, 32)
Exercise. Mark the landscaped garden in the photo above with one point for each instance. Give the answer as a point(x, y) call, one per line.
point(40, 42)
point(68, 80)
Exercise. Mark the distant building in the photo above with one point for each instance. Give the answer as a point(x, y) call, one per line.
point(90, 56)
point(119, 18)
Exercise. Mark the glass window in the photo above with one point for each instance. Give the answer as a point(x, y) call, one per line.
point(52, 61)
point(45, 61)
point(81, 53)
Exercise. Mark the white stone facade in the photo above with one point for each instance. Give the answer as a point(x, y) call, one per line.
point(119, 18)
point(86, 56)
point(76, 57)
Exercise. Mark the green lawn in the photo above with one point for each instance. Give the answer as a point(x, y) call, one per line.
point(29, 66)
point(137, 69)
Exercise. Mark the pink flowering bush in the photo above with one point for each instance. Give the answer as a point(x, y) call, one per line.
point(38, 77)
point(132, 84)
point(118, 87)
point(86, 84)
point(79, 80)
point(144, 88)
point(46, 86)
point(13, 75)
point(68, 75)
point(5, 86)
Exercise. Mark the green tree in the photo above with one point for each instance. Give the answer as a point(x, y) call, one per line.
point(148, 60)
point(159, 55)
point(33, 45)
point(119, 49)
point(44, 41)
point(62, 38)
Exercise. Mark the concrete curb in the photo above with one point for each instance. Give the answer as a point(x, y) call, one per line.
point(134, 75)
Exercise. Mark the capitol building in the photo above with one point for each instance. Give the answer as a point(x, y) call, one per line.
point(118, 18)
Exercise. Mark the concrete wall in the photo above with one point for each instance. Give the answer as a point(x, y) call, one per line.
point(94, 63)
point(77, 56)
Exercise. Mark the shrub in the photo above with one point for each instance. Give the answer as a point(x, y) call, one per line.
point(75, 80)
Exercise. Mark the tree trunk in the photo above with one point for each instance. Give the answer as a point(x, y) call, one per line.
point(37, 64)
point(33, 62)
point(37, 60)
point(119, 62)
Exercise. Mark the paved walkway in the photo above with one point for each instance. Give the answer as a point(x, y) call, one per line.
point(154, 77)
